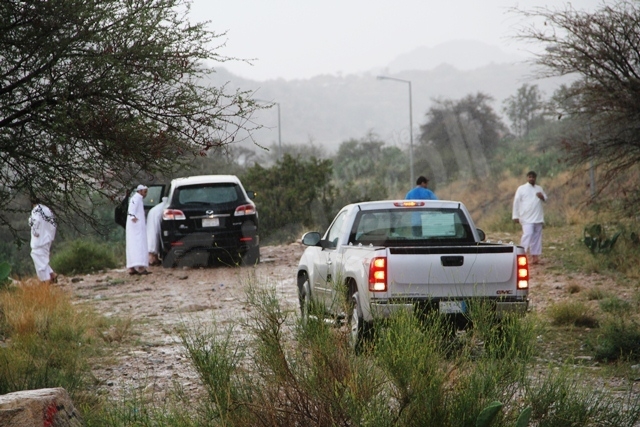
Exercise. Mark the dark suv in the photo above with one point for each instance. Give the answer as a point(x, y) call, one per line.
point(210, 218)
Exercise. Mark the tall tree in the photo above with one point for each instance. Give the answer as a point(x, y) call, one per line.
point(525, 109)
point(459, 138)
point(292, 194)
point(95, 94)
point(601, 48)
point(368, 169)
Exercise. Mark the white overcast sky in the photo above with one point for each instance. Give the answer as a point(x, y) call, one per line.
point(300, 39)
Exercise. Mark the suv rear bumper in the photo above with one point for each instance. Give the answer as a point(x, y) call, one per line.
point(200, 246)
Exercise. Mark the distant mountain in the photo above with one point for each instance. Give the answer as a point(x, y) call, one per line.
point(461, 54)
point(329, 110)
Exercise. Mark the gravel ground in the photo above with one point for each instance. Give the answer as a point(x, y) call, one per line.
point(153, 360)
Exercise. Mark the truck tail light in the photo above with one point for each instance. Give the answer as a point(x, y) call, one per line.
point(378, 274)
point(522, 266)
point(242, 210)
point(173, 214)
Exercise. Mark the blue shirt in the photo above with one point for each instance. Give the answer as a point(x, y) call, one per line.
point(420, 193)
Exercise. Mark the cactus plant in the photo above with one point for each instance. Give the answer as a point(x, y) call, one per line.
point(596, 240)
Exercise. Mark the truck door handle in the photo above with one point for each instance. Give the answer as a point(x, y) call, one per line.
point(452, 261)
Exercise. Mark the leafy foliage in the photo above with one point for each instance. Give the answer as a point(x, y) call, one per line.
point(5, 271)
point(525, 109)
point(459, 137)
point(368, 163)
point(95, 94)
point(83, 257)
point(292, 194)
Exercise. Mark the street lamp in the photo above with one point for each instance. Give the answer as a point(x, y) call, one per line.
point(410, 124)
point(279, 132)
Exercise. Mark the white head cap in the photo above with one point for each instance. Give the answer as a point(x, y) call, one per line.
point(141, 187)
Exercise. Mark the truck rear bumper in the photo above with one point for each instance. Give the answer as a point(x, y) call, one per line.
point(384, 309)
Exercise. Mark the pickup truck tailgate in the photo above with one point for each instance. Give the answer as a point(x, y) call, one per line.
point(451, 271)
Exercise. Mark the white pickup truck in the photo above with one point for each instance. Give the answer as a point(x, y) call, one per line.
point(408, 255)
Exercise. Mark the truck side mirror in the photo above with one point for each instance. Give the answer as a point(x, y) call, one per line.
point(311, 238)
point(481, 234)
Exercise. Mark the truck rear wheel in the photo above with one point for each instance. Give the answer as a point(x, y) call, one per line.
point(360, 331)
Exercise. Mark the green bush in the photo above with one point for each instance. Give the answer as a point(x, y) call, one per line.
point(615, 305)
point(619, 339)
point(83, 257)
point(572, 313)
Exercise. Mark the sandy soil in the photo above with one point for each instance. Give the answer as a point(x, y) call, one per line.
point(154, 360)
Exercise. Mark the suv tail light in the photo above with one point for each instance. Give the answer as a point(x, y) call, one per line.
point(173, 214)
point(522, 267)
point(248, 209)
point(378, 274)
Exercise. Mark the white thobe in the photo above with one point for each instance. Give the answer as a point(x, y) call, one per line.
point(527, 207)
point(43, 231)
point(137, 253)
point(154, 217)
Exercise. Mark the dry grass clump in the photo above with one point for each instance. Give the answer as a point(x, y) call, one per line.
point(49, 341)
point(572, 313)
point(30, 307)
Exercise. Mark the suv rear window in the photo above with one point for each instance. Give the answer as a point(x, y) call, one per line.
point(209, 194)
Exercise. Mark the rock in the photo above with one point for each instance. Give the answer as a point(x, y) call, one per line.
point(37, 408)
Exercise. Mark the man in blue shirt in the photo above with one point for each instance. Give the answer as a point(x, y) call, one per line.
point(420, 191)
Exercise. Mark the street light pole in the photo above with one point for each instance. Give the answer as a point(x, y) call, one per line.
point(279, 131)
point(410, 124)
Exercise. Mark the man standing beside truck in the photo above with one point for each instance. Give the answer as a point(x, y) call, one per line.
point(528, 212)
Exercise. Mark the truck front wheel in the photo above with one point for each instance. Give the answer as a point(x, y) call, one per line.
point(360, 331)
point(304, 297)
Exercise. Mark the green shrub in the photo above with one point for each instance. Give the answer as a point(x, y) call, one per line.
point(596, 294)
point(572, 313)
point(619, 339)
point(560, 399)
point(83, 257)
point(615, 305)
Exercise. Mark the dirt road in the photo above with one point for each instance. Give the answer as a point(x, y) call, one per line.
point(156, 304)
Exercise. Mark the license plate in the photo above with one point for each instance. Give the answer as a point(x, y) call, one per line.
point(452, 307)
point(210, 222)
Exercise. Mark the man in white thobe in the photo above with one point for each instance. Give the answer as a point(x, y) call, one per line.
point(154, 218)
point(43, 230)
point(528, 212)
point(136, 234)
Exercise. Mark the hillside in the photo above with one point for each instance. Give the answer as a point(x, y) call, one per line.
point(328, 109)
